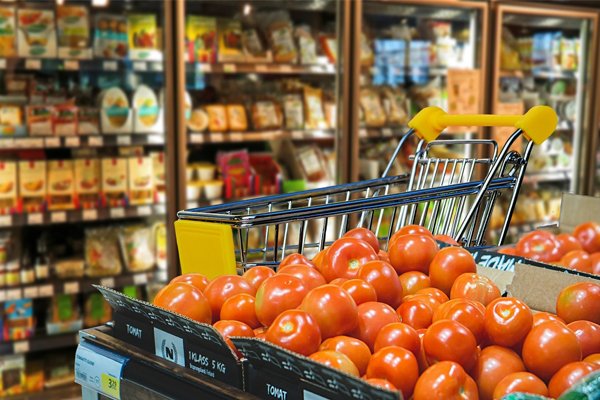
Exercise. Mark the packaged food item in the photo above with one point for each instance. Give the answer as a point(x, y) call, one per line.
point(229, 32)
point(34, 376)
point(311, 162)
point(279, 29)
point(8, 26)
point(236, 117)
point(102, 252)
point(19, 322)
point(201, 38)
point(235, 167)
point(160, 239)
point(87, 182)
point(254, 47)
point(39, 120)
point(65, 120)
point(367, 57)
point(63, 315)
point(266, 114)
point(8, 190)
point(61, 193)
point(293, 111)
point(187, 105)
point(37, 34)
point(142, 35)
point(146, 105)
point(114, 182)
point(141, 184)
point(217, 118)
point(313, 108)
point(394, 101)
point(32, 185)
point(58, 96)
point(116, 106)
point(198, 121)
point(12, 374)
point(38, 90)
point(97, 311)
point(213, 189)
point(371, 104)
point(73, 32)
point(88, 121)
point(17, 84)
point(110, 36)
point(329, 45)
point(69, 268)
point(306, 45)
point(158, 169)
point(137, 245)
point(11, 115)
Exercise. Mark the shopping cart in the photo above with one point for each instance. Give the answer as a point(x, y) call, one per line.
point(442, 192)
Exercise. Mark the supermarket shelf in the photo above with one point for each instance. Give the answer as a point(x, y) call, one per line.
point(539, 73)
point(547, 176)
point(409, 70)
point(55, 64)
point(81, 141)
point(206, 137)
point(65, 392)
point(40, 342)
point(256, 68)
point(390, 131)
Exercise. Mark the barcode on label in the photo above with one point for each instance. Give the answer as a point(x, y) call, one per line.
point(124, 140)
point(109, 65)
point(81, 375)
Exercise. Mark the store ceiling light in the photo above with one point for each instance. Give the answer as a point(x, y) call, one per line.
point(99, 3)
point(247, 9)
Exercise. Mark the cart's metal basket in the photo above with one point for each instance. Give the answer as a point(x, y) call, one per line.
point(442, 193)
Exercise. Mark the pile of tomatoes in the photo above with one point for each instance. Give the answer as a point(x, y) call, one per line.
point(579, 250)
point(417, 318)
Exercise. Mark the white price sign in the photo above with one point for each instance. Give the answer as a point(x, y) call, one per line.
point(362, 133)
point(71, 65)
point(96, 141)
point(31, 292)
point(109, 65)
point(107, 282)
point(7, 143)
point(205, 67)
point(46, 291)
point(216, 137)
point(117, 212)
point(72, 141)
point(52, 142)
point(58, 216)
point(386, 132)
point(144, 210)
point(99, 370)
point(297, 135)
point(21, 346)
point(160, 209)
point(140, 279)
point(156, 139)
point(196, 138)
point(33, 64)
point(5, 220)
point(2, 63)
point(236, 137)
point(35, 219)
point(124, 140)
point(2, 296)
point(140, 66)
point(90, 215)
point(13, 294)
point(71, 287)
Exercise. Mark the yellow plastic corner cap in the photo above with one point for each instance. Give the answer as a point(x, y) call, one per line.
point(538, 123)
point(426, 123)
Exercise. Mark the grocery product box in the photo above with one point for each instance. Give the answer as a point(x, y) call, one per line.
point(8, 187)
point(61, 192)
point(32, 185)
point(158, 171)
point(114, 182)
point(73, 32)
point(87, 183)
point(36, 33)
point(40, 120)
point(110, 36)
point(141, 184)
point(143, 37)
point(201, 38)
point(12, 374)
point(19, 322)
point(65, 120)
point(8, 31)
point(11, 121)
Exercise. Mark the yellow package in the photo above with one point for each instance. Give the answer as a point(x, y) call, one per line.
point(11, 115)
point(114, 182)
point(371, 104)
point(61, 193)
point(231, 47)
point(32, 185)
point(236, 116)
point(313, 108)
point(282, 42)
point(87, 183)
point(217, 118)
point(141, 184)
point(8, 187)
point(7, 32)
point(142, 31)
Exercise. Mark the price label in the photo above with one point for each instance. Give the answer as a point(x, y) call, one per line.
point(160, 209)
point(58, 216)
point(236, 137)
point(362, 133)
point(205, 67)
point(21, 346)
point(107, 282)
point(386, 132)
point(229, 68)
point(217, 137)
point(117, 212)
point(317, 68)
point(156, 139)
point(31, 292)
point(297, 135)
point(140, 66)
point(140, 279)
point(109, 65)
point(2, 296)
point(2, 63)
point(32, 143)
point(144, 210)
point(33, 64)
point(124, 140)
point(5, 220)
point(7, 143)
point(35, 219)
point(71, 287)
point(285, 68)
point(21, 143)
point(52, 142)
point(96, 141)
point(13, 294)
point(72, 141)
point(196, 138)
point(262, 68)
point(71, 65)
point(162, 276)
point(46, 291)
point(99, 370)
point(89, 215)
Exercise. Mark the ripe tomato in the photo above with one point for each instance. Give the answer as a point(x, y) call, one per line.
point(525, 382)
point(185, 299)
point(413, 281)
point(339, 281)
point(568, 242)
point(446, 239)
point(435, 293)
point(260, 330)
point(400, 335)
point(373, 316)
point(511, 251)
point(257, 275)
point(241, 307)
point(295, 330)
point(333, 309)
point(507, 321)
point(588, 234)
point(448, 264)
point(593, 358)
point(448, 340)
point(595, 259)
point(233, 328)
point(277, 294)
point(588, 334)
point(397, 365)
point(335, 359)
point(466, 313)
point(344, 257)
point(445, 380)
point(540, 317)
point(539, 246)
point(296, 258)
point(319, 258)
point(356, 350)
point(493, 364)
point(412, 253)
point(548, 347)
point(416, 314)
point(569, 375)
point(366, 235)
point(308, 275)
point(426, 298)
point(222, 288)
point(411, 230)
point(381, 383)
point(475, 287)
point(578, 260)
point(384, 256)
point(579, 301)
point(384, 280)
point(361, 291)
point(197, 280)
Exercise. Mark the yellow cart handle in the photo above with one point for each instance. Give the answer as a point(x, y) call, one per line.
point(537, 124)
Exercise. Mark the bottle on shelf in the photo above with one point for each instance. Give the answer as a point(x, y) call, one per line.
point(27, 270)
point(42, 260)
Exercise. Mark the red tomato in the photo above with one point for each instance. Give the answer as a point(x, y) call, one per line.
point(412, 253)
point(548, 347)
point(446, 239)
point(435, 293)
point(421, 357)
point(361, 291)
point(588, 334)
point(308, 275)
point(335, 359)
point(397, 365)
point(493, 364)
point(384, 256)
point(448, 264)
point(569, 375)
point(525, 382)
point(278, 294)
point(356, 350)
point(185, 299)
point(593, 358)
point(339, 281)
point(416, 314)
point(578, 260)
point(588, 234)
point(448, 340)
point(539, 246)
point(579, 301)
point(383, 383)
point(224, 287)
point(384, 280)
point(260, 330)
point(366, 235)
point(595, 259)
point(319, 258)
point(507, 321)
point(400, 335)
point(197, 280)
point(333, 309)
point(426, 298)
point(445, 380)
point(241, 307)
point(296, 258)
point(257, 275)
point(344, 257)
point(373, 316)
point(413, 281)
point(295, 330)
point(568, 242)
point(511, 251)
point(466, 313)
point(411, 230)
point(233, 328)
point(540, 317)
point(475, 287)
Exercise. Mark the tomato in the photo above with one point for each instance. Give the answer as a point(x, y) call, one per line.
point(475, 287)
point(296, 258)
point(373, 316)
point(383, 383)
point(400, 335)
point(185, 299)
point(257, 275)
point(224, 287)
point(412, 253)
point(260, 330)
point(579, 301)
point(366, 235)
point(548, 347)
point(344, 257)
point(588, 334)
point(593, 358)
point(511, 251)
point(411, 230)
point(578, 260)
point(588, 234)
point(525, 382)
point(277, 294)
point(421, 357)
point(569, 375)
point(339, 281)
point(539, 246)
point(466, 313)
point(568, 242)
point(233, 328)
point(241, 307)
point(308, 275)
point(507, 321)
point(384, 256)
point(595, 259)
point(197, 280)
point(413, 281)
point(415, 313)
point(333, 309)
point(397, 365)
point(361, 291)
point(426, 298)
point(335, 359)
point(448, 340)
point(540, 317)
point(435, 293)
point(449, 264)
point(295, 330)
point(446, 239)
point(445, 380)
point(319, 258)
point(384, 280)
point(356, 350)
point(493, 364)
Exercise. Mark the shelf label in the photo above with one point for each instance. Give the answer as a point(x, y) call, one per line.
point(108, 282)
point(144, 210)
point(285, 68)
point(5, 220)
point(386, 132)
point(236, 137)
point(35, 219)
point(96, 141)
point(13, 294)
point(124, 140)
point(169, 347)
point(30, 143)
point(52, 142)
point(162, 276)
point(33, 64)
point(140, 279)
point(58, 216)
point(262, 68)
point(2, 63)
point(71, 287)
point(196, 138)
point(156, 139)
point(89, 215)
point(317, 68)
point(7, 143)
point(72, 141)
point(140, 66)
point(297, 135)
point(216, 137)
point(71, 65)
point(31, 292)
point(205, 67)
point(160, 209)
point(2, 296)
point(117, 212)
point(228, 68)
point(109, 65)
point(21, 346)
point(46, 291)
point(99, 370)
point(362, 133)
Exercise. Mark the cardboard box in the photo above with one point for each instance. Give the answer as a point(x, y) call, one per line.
point(8, 187)
point(87, 183)
point(12, 374)
point(114, 182)
point(36, 33)
point(73, 32)
point(141, 184)
point(32, 185)
point(61, 191)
